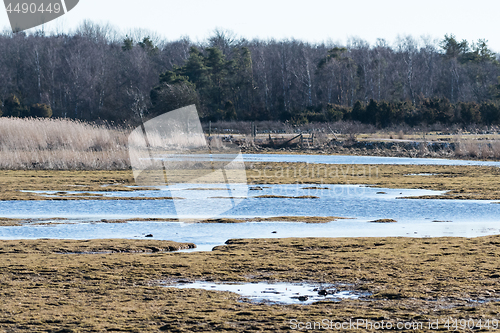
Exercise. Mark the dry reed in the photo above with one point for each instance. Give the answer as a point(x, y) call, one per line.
point(477, 148)
point(61, 144)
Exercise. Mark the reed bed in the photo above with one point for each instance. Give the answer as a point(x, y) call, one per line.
point(478, 149)
point(61, 144)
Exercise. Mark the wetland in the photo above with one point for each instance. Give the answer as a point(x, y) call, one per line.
point(89, 251)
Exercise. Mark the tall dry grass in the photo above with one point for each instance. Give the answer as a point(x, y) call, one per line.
point(60, 144)
point(477, 148)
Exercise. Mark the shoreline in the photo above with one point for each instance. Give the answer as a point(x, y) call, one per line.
point(95, 160)
point(15, 222)
point(375, 149)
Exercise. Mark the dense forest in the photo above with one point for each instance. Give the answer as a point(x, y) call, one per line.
point(96, 74)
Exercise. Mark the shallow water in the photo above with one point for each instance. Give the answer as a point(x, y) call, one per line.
point(415, 217)
point(208, 235)
point(283, 293)
point(352, 201)
point(347, 159)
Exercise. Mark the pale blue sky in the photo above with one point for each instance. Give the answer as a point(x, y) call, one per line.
point(311, 20)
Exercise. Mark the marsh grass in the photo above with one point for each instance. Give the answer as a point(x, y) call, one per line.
point(92, 246)
point(408, 279)
point(461, 182)
point(61, 144)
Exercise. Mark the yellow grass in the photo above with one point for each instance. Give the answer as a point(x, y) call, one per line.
point(461, 182)
point(58, 144)
point(408, 280)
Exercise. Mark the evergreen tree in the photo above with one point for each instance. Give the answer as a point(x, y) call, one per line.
point(385, 114)
point(469, 113)
point(217, 67)
point(480, 53)
point(195, 69)
point(371, 113)
point(337, 112)
point(454, 49)
point(128, 44)
point(167, 97)
point(171, 77)
point(240, 82)
point(148, 46)
point(333, 54)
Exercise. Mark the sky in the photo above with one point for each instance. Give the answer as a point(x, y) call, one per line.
point(310, 20)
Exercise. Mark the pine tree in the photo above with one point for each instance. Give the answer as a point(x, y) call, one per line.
point(195, 69)
point(128, 44)
point(148, 46)
point(217, 67)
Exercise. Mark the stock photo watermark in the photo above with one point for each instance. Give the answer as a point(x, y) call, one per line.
point(450, 324)
point(172, 152)
point(27, 14)
point(320, 171)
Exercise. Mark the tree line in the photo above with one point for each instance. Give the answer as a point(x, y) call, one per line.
point(94, 73)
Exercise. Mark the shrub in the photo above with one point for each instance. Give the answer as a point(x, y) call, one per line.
point(168, 97)
point(13, 107)
point(358, 112)
point(490, 113)
point(436, 110)
point(337, 112)
point(41, 110)
point(469, 113)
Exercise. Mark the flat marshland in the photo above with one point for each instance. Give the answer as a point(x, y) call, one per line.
point(46, 288)
point(123, 285)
